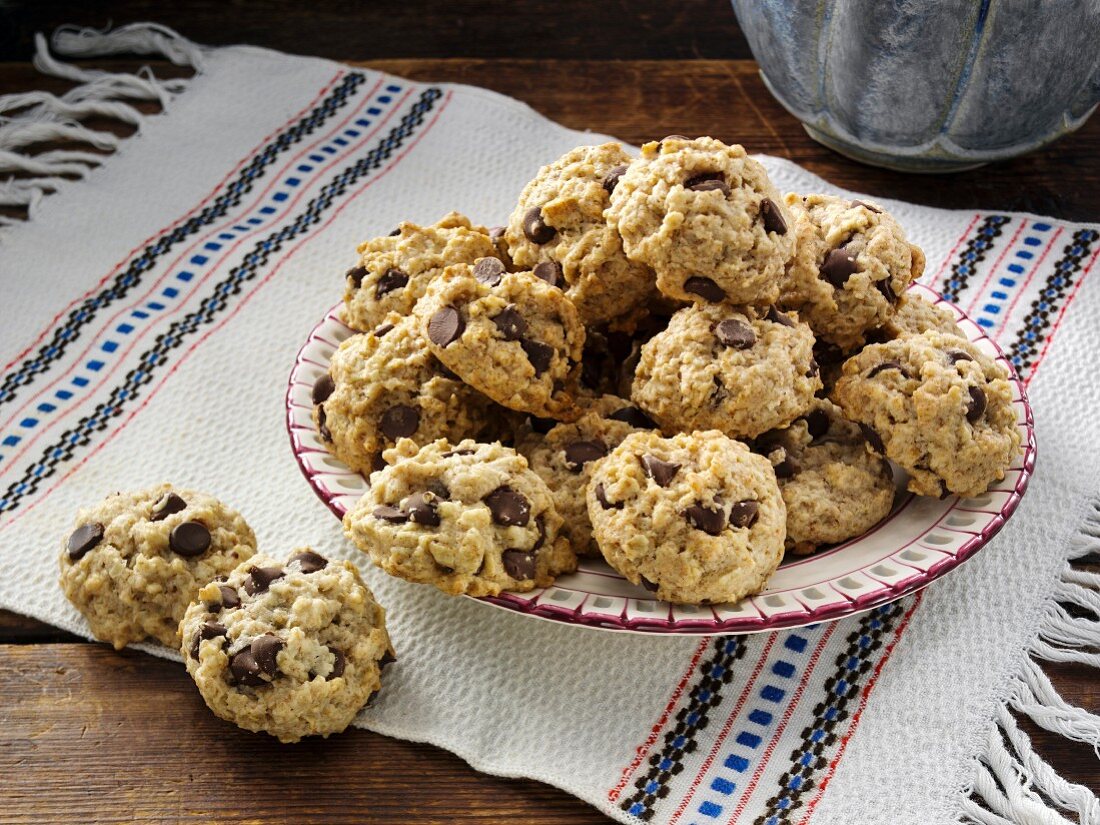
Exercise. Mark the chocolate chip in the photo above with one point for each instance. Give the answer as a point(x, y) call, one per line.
point(705, 288)
point(308, 561)
point(540, 523)
point(648, 585)
point(711, 186)
point(634, 417)
point(744, 513)
point(977, 404)
point(660, 471)
point(696, 181)
point(519, 564)
point(873, 438)
point(264, 650)
point(209, 630)
point(535, 228)
point(323, 387)
point(814, 369)
point(787, 468)
point(382, 330)
point(445, 327)
point(189, 539)
point(886, 287)
point(439, 490)
point(260, 579)
point(496, 233)
point(887, 365)
point(772, 217)
point(243, 668)
point(510, 323)
point(866, 206)
point(489, 271)
point(422, 510)
point(394, 233)
point(611, 179)
point(734, 333)
point(399, 421)
point(710, 521)
point(508, 507)
point(339, 662)
point(322, 426)
point(540, 355)
point(954, 356)
point(230, 597)
point(580, 453)
point(356, 275)
point(391, 279)
point(83, 539)
point(840, 264)
point(777, 317)
point(450, 453)
point(601, 497)
point(168, 505)
point(549, 271)
point(390, 514)
point(817, 423)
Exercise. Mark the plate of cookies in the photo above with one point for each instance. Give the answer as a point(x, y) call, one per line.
point(664, 398)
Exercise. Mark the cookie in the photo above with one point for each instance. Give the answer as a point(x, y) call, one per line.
point(135, 561)
point(739, 370)
point(394, 270)
point(851, 264)
point(510, 335)
point(566, 455)
point(937, 406)
point(290, 648)
point(558, 230)
point(468, 518)
point(834, 488)
point(706, 218)
point(695, 518)
point(914, 315)
point(385, 385)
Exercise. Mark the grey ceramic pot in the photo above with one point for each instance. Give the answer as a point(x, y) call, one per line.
point(929, 85)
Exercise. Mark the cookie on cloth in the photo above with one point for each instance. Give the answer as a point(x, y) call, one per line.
point(937, 406)
point(135, 561)
point(706, 218)
point(696, 518)
point(467, 518)
point(292, 648)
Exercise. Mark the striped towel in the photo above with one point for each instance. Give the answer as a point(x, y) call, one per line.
point(154, 307)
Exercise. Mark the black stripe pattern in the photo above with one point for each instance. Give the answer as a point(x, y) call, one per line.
point(966, 264)
point(74, 323)
point(223, 295)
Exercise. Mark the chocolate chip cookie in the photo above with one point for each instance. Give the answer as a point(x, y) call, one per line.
point(695, 517)
point(851, 264)
point(706, 218)
point(743, 371)
point(468, 518)
point(914, 315)
point(394, 270)
point(558, 231)
point(938, 407)
point(510, 335)
point(386, 384)
point(135, 561)
point(834, 488)
point(290, 648)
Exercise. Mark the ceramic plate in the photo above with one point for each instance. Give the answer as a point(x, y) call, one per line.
point(921, 540)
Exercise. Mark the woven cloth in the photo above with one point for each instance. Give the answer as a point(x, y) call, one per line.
point(152, 313)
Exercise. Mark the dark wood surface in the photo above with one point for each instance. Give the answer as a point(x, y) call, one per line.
point(90, 735)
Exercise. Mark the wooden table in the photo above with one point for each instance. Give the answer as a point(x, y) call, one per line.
point(89, 735)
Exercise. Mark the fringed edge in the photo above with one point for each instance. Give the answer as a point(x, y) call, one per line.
point(1014, 785)
point(43, 117)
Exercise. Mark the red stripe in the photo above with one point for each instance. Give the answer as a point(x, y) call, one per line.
point(726, 727)
point(1027, 282)
point(951, 254)
point(862, 704)
point(240, 165)
point(645, 747)
point(312, 235)
point(996, 265)
point(1061, 315)
point(190, 291)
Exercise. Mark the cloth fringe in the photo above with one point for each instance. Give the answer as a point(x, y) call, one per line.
point(33, 118)
point(1013, 784)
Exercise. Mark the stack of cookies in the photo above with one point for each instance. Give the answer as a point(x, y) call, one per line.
point(660, 360)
